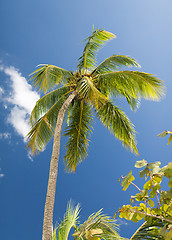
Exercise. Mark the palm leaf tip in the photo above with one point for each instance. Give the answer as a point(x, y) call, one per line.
point(94, 42)
point(48, 76)
point(150, 86)
point(119, 124)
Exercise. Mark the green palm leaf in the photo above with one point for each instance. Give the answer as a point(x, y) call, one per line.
point(40, 134)
point(134, 84)
point(43, 129)
point(48, 76)
point(117, 122)
point(69, 220)
point(150, 231)
point(86, 90)
point(97, 226)
point(47, 101)
point(113, 63)
point(95, 41)
point(78, 131)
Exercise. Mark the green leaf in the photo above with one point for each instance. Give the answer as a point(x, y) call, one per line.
point(94, 42)
point(49, 76)
point(130, 179)
point(113, 63)
point(46, 103)
point(148, 185)
point(78, 133)
point(130, 83)
point(118, 123)
point(154, 165)
point(163, 134)
point(144, 172)
point(157, 178)
point(151, 203)
point(69, 220)
point(170, 182)
point(140, 164)
point(169, 140)
point(43, 119)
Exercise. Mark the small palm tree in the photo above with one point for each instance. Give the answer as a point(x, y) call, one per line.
point(97, 226)
point(78, 94)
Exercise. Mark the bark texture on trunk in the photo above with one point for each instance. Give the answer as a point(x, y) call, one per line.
point(49, 204)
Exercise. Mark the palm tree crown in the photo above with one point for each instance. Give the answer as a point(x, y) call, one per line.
point(93, 87)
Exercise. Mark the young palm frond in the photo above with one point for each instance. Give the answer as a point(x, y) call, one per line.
point(43, 126)
point(134, 84)
point(86, 90)
point(113, 63)
point(97, 226)
point(117, 122)
point(48, 76)
point(149, 231)
point(95, 41)
point(78, 132)
point(70, 220)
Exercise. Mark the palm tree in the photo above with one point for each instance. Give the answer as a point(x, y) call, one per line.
point(97, 226)
point(78, 94)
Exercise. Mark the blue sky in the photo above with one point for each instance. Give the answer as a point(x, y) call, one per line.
point(34, 32)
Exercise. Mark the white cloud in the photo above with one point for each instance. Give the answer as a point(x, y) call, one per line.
point(18, 118)
point(5, 135)
point(1, 91)
point(21, 100)
point(1, 174)
point(22, 95)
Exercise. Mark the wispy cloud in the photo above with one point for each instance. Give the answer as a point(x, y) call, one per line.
point(1, 174)
point(5, 135)
point(20, 99)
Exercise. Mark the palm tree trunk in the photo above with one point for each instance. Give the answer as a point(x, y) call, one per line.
point(49, 204)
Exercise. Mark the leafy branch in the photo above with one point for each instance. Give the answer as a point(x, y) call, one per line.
point(155, 204)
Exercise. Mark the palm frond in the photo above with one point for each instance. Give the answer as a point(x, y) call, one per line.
point(134, 84)
point(78, 133)
point(94, 42)
point(40, 134)
point(47, 101)
point(97, 225)
point(118, 123)
point(150, 231)
point(70, 220)
point(48, 76)
point(133, 102)
point(43, 129)
point(113, 63)
point(86, 90)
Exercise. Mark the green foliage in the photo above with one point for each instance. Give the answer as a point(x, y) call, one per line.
point(78, 133)
point(118, 123)
point(94, 42)
point(131, 83)
point(48, 76)
point(152, 204)
point(113, 63)
point(93, 86)
point(70, 220)
point(44, 117)
point(165, 133)
point(97, 226)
